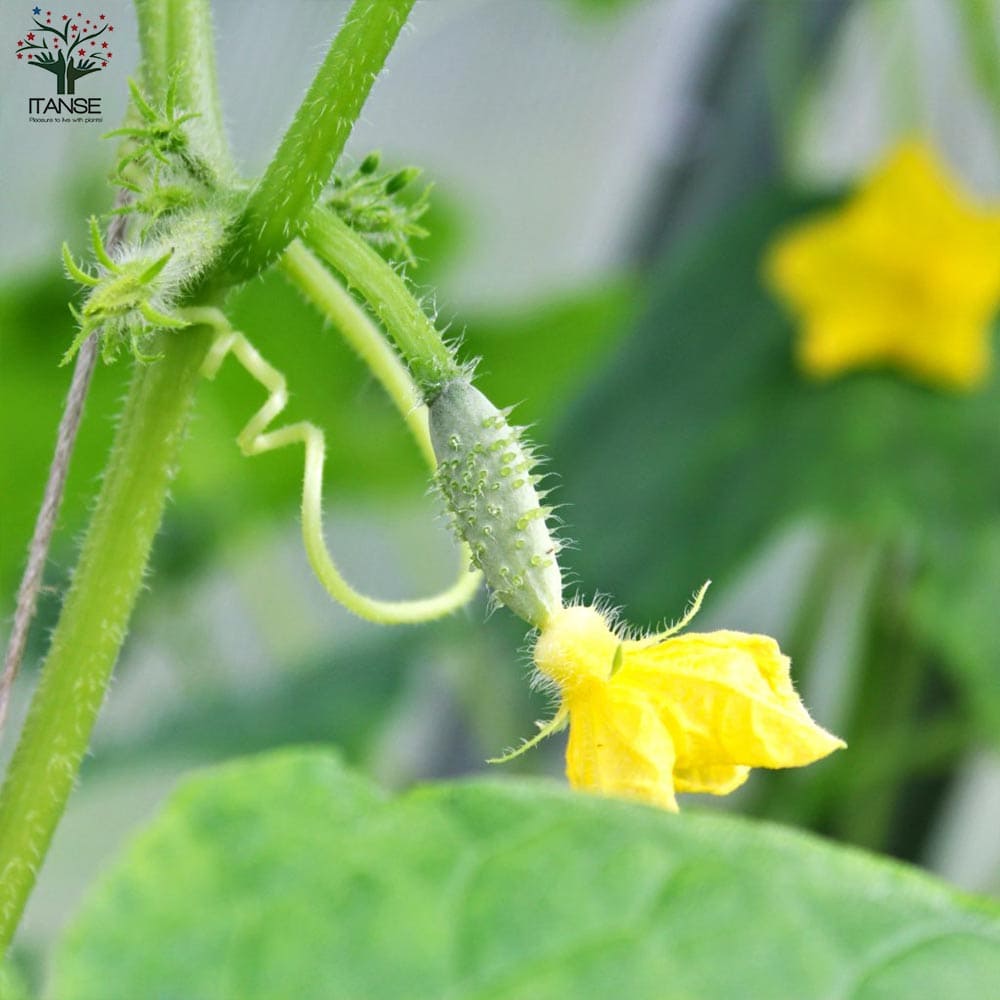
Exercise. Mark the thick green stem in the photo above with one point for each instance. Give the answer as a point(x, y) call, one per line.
point(152, 17)
point(430, 360)
point(314, 141)
point(177, 42)
point(95, 615)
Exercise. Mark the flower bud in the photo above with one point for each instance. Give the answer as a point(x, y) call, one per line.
point(401, 179)
point(370, 163)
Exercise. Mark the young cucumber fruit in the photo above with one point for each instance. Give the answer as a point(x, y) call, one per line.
point(485, 476)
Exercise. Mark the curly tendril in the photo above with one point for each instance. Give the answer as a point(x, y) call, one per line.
point(255, 439)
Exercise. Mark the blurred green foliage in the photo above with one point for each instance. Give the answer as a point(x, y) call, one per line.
point(982, 47)
point(702, 442)
point(602, 6)
point(344, 693)
point(11, 985)
point(501, 890)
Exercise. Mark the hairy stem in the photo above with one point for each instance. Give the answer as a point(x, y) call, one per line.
point(95, 615)
point(48, 512)
point(41, 539)
point(428, 357)
point(178, 43)
point(314, 141)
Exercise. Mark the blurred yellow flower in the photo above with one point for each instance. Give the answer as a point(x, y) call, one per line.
point(672, 713)
point(905, 273)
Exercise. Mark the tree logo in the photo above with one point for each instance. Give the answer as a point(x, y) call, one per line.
point(68, 47)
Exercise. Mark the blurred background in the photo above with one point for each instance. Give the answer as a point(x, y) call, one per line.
point(607, 177)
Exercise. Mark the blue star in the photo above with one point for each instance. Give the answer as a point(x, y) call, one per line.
point(36, 10)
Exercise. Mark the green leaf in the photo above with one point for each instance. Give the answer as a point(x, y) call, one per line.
point(286, 876)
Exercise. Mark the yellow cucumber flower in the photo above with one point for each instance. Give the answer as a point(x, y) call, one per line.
point(671, 713)
point(648, 717)
point(905, 273)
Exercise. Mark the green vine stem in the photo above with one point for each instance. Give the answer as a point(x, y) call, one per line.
point(95, 615)
point(401, 315)
point(178, 44)
point(314, 141)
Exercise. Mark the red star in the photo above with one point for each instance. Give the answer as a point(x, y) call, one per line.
point(20, 56)
point(109, 55)
point(30, 36)
point(102, 17)
point(65, 17)
point(104, 45)
point(78, 14)
point(104, 64)
point(111, 27)
point(29, 56)
point(48, 20)
point(81, 52)
point(20, 41)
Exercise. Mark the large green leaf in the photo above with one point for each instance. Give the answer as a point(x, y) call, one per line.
point(703, 441)
point(286, 876)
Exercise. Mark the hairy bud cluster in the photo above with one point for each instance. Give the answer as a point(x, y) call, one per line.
point(180, 215)
point(133, 294)
point(381, 206)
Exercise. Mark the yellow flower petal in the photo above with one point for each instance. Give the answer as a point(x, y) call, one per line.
point(713, 779)
point(906, 273)
point(727, 699)
point(617, 745)
point(689, 713)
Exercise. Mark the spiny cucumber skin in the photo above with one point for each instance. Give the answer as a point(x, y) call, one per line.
point(485, 476)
